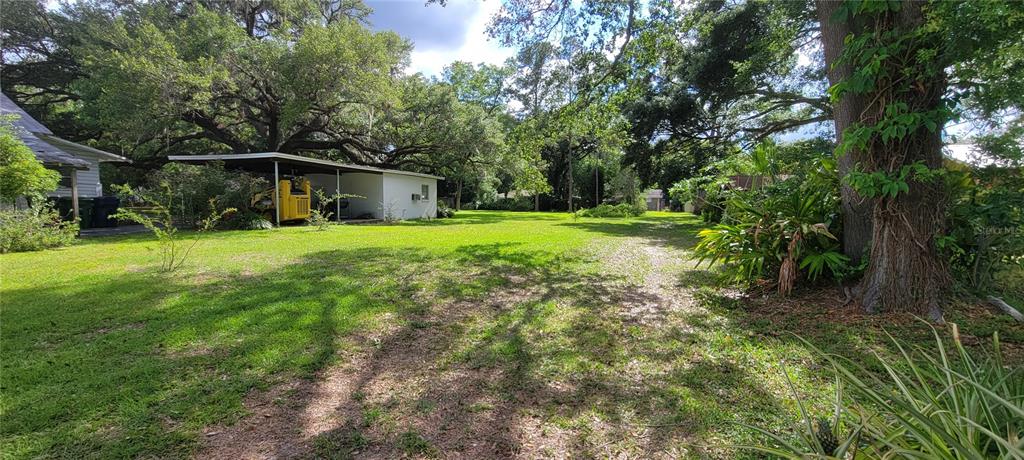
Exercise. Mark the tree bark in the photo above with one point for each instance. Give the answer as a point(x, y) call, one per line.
point(906, 272)
point(856, 211)
point(458, 195)
point(570, 174)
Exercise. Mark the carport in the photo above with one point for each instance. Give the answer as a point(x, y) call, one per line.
point(378, 185)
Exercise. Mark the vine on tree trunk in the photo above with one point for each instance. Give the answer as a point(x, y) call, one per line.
point(898, 68)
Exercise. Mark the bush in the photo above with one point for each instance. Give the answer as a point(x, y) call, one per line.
point(21, 174)
point(248, 220)
point(927, 404)
point(986, 219)
point(613, 210)
point(158, 219)
point(34, 229)
point(444, 211)
point(783, 231)
point(507, 204)
point(194, 186)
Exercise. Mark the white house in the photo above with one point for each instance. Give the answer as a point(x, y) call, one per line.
point(387, 193)
point(79, 165)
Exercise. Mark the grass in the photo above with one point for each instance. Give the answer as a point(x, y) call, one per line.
point(534, 325)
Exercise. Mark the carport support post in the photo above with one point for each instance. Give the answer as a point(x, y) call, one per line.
point(337, 191)
point(277, 197)
point(74, 193)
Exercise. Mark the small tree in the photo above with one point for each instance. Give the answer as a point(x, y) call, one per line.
point(21, 174)
point(320, 216)
point(158, 219)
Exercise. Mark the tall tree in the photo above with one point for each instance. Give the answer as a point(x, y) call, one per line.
point(845, 112)
point(896, 65)
point(302, 77)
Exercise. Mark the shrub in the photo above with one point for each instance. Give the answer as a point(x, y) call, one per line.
point(21, 174)
point(986, 219)
point(927, 404)
point(34, 229)
point(444, 211)
point(249, 220)
point(784, 231)
point(320, 215)
point(196, 186)
point(613, 210)
point(507, 204)
point(159, 219)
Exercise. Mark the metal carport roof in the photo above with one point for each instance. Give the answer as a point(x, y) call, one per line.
point(264, 162)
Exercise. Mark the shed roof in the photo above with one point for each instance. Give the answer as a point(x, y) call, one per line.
point(262, 160)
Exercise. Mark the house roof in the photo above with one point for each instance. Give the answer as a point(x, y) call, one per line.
point(23, 120)
point(266, 158)
point(49, 149)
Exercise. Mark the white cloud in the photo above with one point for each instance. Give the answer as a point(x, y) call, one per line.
point(476, 48)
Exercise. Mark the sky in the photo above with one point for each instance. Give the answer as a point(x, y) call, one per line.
point(441, 34)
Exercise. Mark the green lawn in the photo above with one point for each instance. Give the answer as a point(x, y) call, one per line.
point(491, 334)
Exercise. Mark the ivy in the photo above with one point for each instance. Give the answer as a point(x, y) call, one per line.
point(882, 184)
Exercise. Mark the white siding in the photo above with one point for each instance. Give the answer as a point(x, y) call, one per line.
point(367, 185)
point(89, 185)
point(398, 191)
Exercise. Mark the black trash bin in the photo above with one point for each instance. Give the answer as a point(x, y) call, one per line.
point(102, 209)
point(85, 207)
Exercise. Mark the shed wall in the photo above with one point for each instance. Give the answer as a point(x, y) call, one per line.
point(398, 191)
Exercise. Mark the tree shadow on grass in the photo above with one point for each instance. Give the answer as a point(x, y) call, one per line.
point(489, 217)
point(137, 364)
point(676, 231)
point(543, 350)
point(478, 353)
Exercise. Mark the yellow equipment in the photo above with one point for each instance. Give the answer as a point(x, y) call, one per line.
point(294, 200)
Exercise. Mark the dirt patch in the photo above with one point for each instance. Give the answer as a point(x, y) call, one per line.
point(398, 394)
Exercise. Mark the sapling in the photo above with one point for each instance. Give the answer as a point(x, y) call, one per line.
point(320, 216)
point(157, 218)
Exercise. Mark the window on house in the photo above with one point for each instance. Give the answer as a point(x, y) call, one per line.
point(425, 192)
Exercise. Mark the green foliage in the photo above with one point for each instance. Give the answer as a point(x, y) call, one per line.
point(249, 220)
point(985, 225)
point(879, 184)
point(444, 211)
point(926, 404)
point(507, 204)
point(206, 79)
point(783, 230)
point(196, 188)
point(157, 217)
point(39, 227)
point(613, 210)
point(21, 174)
point(320, 215)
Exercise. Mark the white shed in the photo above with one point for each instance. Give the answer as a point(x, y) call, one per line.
point(387, 193)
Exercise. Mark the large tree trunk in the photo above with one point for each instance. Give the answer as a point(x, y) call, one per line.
point(458, 195)
point(856, 211)
point(570, 174)
point(905, 272)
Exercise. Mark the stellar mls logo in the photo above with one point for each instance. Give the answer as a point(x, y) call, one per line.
point(1002, 231)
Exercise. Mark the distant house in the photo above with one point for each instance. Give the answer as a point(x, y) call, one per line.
point(79, 165)
point(655, 199)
